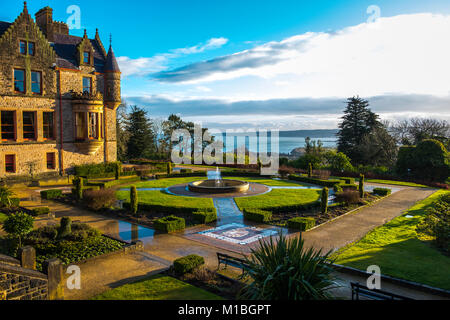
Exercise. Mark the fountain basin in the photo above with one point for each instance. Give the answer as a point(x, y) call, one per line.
point(225, 186)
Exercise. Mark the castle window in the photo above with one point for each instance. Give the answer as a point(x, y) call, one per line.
point(10, 163)
point(29, 125)
point(51, 161)
point(19, 80)
point(49, 125)
point(22, 47)
point(36, 82)
point(8, 125)
point(87, 85)
point(86, 57)
point(93, 125)
point(31, 48)
point(80, 125)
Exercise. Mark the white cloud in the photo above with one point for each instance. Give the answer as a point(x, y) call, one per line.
point(402, 54)
point(144, 66)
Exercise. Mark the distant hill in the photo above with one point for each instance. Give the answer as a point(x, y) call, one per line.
point(313, 134)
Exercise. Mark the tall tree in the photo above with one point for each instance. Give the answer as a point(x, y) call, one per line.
point(358, 121)
point(378, 148)
point(141, 142)
point(413, 131)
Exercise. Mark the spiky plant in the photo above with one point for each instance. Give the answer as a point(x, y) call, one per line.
point(287, 270)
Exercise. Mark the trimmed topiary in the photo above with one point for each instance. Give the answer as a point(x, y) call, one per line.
point(79, 187)
point(301, 223)
point(134, 202)
point(40, 211)
point(324, 200)
point(51, 194)
point(382, 192)
point(65, 228)
point(170, 224)
point(310, 170)
point(187, 264)
point(257, 215)
point(361, 186)
point(204, 217)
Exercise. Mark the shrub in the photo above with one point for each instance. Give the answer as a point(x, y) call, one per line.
point(284, 170)
point(287, 270)
point(79, 185)
point(99, 199)
point(134, 202)
point(51, 194)
point(18, 225)
point(361, 186)
point(257, 215)
point(382, 192)
point(184, 171)
point(6, 197)
point(204, 217)
point(348, 197)
point(348, 180)
point(187, 264)
point(322, 174)
point(170, 224)
point(15, 202)
point(117, 170)
point(349, 187)
point(324, 200)
point(40, 211)
point(324, 183)
point(101, 170)
point(65, 228)
point(301, 223)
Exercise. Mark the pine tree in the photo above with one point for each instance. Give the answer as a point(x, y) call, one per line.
point(358, 121)
point(141, 142)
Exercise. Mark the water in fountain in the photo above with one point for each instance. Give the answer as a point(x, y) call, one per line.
point(218, 178)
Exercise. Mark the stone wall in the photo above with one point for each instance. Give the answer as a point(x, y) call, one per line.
point(18, 283)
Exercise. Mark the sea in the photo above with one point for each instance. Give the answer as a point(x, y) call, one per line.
point(287, 140)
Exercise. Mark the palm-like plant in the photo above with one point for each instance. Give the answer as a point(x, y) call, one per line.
point(5, 196)
point(286, 270)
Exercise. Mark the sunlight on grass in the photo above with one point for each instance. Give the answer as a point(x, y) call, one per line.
point(158, 288)
point(399, 252)
point(280, 198)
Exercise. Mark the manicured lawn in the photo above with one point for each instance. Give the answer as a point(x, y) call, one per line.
point(163, 199)
point(397, 183)
point(165, 183)
point(3, 217)
point(158, 288)
point(396, 248)
point(279, 198)
point(269, 182)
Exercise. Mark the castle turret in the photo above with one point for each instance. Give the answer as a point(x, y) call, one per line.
point(112, 80)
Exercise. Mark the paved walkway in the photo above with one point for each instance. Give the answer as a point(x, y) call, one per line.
point(353, 227)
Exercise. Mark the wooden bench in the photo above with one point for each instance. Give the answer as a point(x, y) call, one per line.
point(359, 290)
point(232, 261)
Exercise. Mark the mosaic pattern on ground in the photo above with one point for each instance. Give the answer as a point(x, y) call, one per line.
point(239, 233)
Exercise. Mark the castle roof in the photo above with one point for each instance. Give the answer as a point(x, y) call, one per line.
point(111, 62)
point(66, 49)
point(4, 26)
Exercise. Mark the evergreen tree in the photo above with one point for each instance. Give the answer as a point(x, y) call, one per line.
point(141, 142)
point(122, 133)
point(358, 121)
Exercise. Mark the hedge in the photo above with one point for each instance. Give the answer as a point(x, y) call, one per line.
point(382, 192)
point(170, 224)
point(93, 171)
point(40, 211)
point(348, 180)
point(51, 194)
point(167, 209)
point(181, 175)
point(257, 215)
point(187, 264)
point(352, 187)
point(112, 183)
point(183, 171)
point(204, 217)
point(324, 183)
point(301, 223)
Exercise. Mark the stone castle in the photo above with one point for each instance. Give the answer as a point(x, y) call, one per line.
point(58, 97)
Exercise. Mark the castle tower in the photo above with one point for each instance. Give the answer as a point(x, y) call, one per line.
point(112, 81)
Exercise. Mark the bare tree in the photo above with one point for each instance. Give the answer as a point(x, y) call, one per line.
point(414, 130)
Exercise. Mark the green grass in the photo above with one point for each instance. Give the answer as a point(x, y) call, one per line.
point(399, 252)
point(279, 198)
point(269, 182)
point(3, 217)
point(165, 183)
point(397, 183)
point(164, 199)
point(158, 288)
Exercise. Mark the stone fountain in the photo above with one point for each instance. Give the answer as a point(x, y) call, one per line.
point(215, 184)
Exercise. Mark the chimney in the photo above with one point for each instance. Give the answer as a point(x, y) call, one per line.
point(44, 19)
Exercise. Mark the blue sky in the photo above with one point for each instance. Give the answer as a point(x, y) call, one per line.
point(234, 63)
